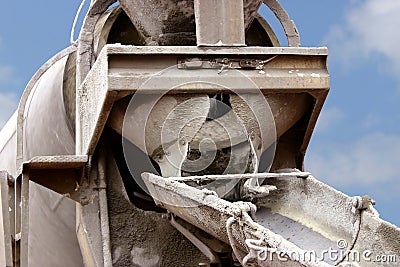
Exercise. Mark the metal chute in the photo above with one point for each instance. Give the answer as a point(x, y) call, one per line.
point(178, 128)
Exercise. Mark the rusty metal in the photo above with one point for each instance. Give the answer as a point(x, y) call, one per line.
point(74, 191)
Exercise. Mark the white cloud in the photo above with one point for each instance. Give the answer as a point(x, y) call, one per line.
point(6, 73)
point(328, 119)
point(8, 104)
point(372, 120)
point(370, 30)
point(8, 101)
point(371, 162)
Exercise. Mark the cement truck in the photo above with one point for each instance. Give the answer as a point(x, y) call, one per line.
point(173, 133)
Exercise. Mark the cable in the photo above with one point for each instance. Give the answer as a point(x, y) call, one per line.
point(74, 42)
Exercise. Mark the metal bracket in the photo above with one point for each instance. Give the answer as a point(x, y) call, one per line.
point(7, 233)
point(62, 174)
point(218, 63)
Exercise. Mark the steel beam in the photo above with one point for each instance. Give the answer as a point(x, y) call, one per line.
point(219, 22)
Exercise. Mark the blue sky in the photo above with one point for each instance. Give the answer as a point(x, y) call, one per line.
point(356, 144)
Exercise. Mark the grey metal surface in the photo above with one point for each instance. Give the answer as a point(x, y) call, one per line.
point(314, 204)
point(163, 15)
point(113, 231)
point(190, 50)
point(8, 144)
point(288, 70)
point(169, 22)
point(92, 222)
point(52, 235)
point(231, 222)
point(6, 219)
point(157, 18)
point(378, 238)
point(42, 114)
point(46, 129)
point(219, 23)
point(288, 25)
point(61, 174)
point(27, 96)
point(295, 232)
point(143, 238)
point(302, 215)
point(273, 39)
